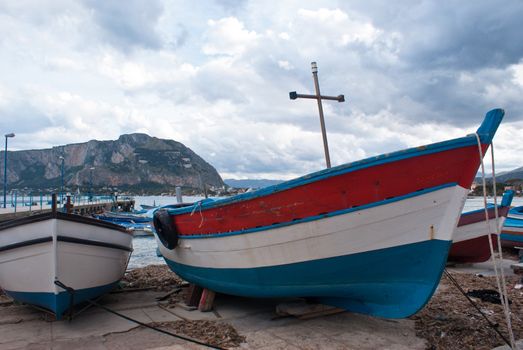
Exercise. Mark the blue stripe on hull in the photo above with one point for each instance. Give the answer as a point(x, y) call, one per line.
point(393, 282)
point(511, 237)
point(59, 303)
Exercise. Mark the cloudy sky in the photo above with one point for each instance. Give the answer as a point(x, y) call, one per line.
point(215, 75)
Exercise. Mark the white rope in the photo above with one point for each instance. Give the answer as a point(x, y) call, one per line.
point(199, 206)
point(500, 251)
point(497, 270)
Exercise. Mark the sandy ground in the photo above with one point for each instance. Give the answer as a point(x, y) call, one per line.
point(447, 322)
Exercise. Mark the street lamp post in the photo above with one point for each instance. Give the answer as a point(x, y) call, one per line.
point(62, 159)
point(5, 166)
point(91, 184)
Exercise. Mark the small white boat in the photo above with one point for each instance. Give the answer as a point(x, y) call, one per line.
point(40, 252)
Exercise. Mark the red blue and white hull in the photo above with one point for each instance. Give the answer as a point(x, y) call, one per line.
point(371, 236)
point(471, 237)
point(85, 254)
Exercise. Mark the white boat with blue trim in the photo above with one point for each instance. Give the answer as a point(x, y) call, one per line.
point(40, 252)
point(370, 236)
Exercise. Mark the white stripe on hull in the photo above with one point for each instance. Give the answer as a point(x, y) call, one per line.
point(515, 229)
point(477, 229)
point(27, 232)
point(432, 215)
point(32, 268)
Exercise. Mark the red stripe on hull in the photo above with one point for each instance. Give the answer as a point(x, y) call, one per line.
point(472, 218)
point(356, 188)
point(472, 250)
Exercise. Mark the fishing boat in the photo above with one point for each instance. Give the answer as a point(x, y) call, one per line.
point(42, 254)
point(516, 213)
point(512, 233)
point(471, 237)
point(370, 236)
point(123, 218)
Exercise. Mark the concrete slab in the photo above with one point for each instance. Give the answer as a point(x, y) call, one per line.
point(96, 329)
point(21, 335)
point(485, 268)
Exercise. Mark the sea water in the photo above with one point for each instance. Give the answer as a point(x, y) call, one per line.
point(145, 247)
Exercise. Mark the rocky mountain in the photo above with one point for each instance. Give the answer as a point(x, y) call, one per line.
point(135, 162)
point(515, 175)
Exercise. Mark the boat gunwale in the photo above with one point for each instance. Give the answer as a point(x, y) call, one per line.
point(61, 216)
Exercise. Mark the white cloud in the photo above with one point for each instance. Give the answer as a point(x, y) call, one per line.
point(228, 36)
point(285, 65)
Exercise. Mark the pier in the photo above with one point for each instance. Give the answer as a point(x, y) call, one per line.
point(96, 205)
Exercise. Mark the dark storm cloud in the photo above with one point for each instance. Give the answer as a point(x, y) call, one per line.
point(128, 24)
point(466, 35)
point(450, 57)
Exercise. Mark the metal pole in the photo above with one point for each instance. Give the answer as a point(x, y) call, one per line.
point(91, 185)
point(62, 185)
point(320, 108)
point(5, 171)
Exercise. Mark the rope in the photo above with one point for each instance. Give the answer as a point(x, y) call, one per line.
point(500, 281)
point(500, 251)
point(199, 206)
point(92, 302)
point(494, 326)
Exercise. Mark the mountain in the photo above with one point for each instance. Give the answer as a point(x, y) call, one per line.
point(251, 183)
point(515, 175)
point(135, 162)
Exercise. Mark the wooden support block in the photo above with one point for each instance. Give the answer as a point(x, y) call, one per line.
point(193, 296)
point(207, 300)
point(304, 310)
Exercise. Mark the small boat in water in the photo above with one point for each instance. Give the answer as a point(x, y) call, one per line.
point(117, 218)
point(371, 236)
point(471, 238)
point(40, 252)
point(512, 233)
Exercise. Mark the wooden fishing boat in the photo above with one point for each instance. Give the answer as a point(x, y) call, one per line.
point(516, 213)
point(512, 233)
point(370, 236)
point(40, 252)
point(470, 242)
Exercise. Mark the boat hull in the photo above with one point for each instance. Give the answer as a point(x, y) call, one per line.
point(351, 264)
point(471, 237)
point(512, 233)
point(89, 258)
point(370, 236)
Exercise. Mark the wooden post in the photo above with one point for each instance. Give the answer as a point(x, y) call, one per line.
point(194, 294)
point(207, 300)
point(69, 205)
point(53, 203)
